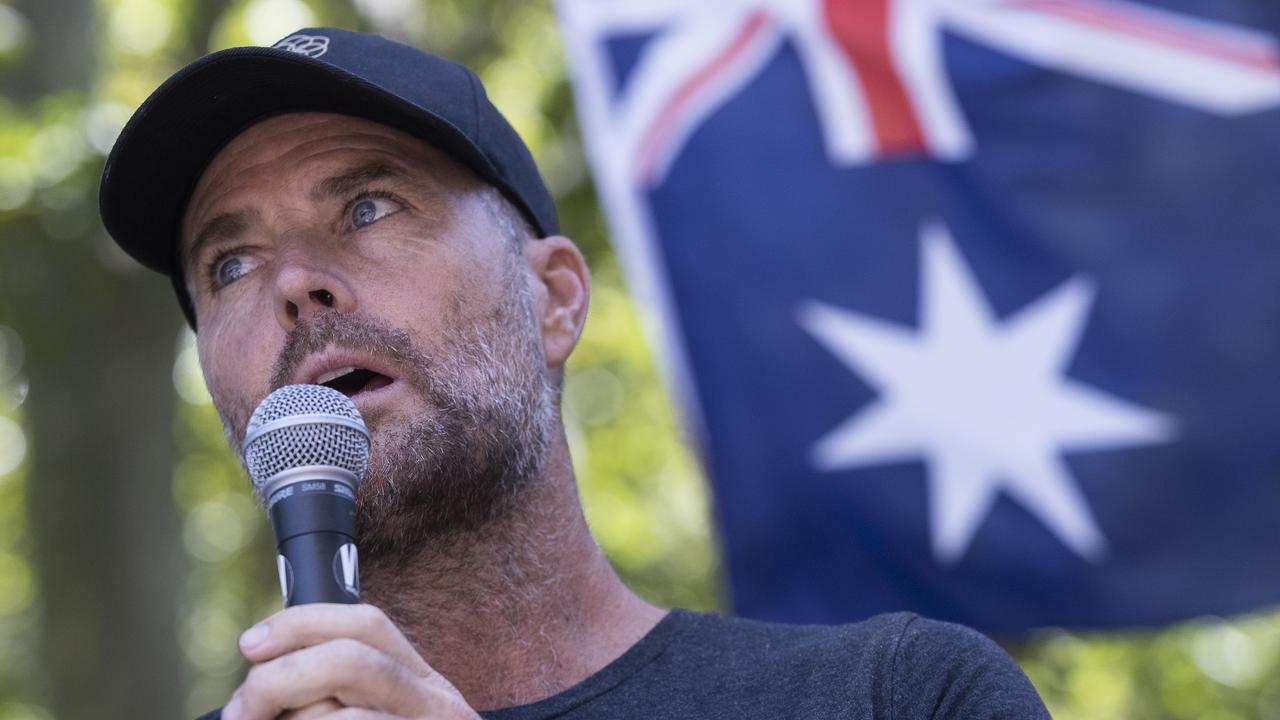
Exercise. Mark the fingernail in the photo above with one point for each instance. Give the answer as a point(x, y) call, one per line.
point(254, 636)
point(232, 710)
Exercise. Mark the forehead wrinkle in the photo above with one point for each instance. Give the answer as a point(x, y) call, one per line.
point(258, 150)
point(390, 147)
point(345, 183)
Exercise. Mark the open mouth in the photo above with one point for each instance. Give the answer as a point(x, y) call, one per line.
point(352, 381)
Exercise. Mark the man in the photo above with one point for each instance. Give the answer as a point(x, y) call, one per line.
point(345, 210)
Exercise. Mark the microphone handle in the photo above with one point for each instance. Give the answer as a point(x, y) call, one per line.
point(315, 527)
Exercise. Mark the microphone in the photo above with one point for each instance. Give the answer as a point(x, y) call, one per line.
point(306, 449)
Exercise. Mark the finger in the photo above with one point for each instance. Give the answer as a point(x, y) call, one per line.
point(358, 714)
point(354, 674)
point(322, 709)
point(307, 625)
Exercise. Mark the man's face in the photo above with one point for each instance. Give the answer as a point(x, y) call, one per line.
point(316, 243)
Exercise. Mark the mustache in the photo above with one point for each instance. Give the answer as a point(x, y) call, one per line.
point(351, 331)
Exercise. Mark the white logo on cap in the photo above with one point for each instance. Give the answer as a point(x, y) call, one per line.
point(309, 45)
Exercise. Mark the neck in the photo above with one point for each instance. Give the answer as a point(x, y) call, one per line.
point(517, 611)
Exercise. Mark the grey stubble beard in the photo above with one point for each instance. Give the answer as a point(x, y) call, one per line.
point(464, 463)
point(485, 433)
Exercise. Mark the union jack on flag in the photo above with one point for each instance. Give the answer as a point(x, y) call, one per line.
point(972, 302)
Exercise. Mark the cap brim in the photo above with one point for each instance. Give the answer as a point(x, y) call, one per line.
point(162, 152)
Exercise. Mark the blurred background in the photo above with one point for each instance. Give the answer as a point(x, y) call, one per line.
point(125, 578)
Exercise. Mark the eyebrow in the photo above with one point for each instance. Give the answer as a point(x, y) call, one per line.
point(223, 227)
point(228, 225)
point(355, 179)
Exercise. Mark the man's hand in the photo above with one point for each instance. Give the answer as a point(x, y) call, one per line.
point(348, 659)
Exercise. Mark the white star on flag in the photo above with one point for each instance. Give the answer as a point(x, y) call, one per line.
point(985, 402)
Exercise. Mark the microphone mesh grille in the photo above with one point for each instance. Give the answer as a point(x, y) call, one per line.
point(307, 442)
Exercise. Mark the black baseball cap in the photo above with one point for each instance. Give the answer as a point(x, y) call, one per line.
point(170, 140)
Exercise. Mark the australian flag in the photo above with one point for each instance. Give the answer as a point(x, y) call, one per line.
point(976, 303)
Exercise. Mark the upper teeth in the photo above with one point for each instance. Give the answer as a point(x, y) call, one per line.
point(333, 375)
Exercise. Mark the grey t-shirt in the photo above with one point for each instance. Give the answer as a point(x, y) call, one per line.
point(710, 667)
point(895, 667)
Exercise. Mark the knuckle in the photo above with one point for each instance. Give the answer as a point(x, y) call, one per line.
point(362, 659)
point(355, 714)
point(362, 668)
point(387, 666)
point(372, 618)
point(349, 651)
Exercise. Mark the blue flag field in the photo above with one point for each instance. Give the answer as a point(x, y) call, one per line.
point(974, 304)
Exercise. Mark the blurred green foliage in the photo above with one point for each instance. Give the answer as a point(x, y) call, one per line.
point(641, 487)
point(17, 583)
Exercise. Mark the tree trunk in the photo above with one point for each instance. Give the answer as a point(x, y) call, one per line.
point(100, 347)
point(104, 529)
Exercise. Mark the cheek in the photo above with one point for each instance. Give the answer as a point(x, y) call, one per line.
point(425, 286)
point(236, 363)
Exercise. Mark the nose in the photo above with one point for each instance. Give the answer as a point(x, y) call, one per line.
point(303, 288)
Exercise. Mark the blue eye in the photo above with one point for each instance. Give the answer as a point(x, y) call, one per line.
point(370, 210)
point(231, 269)
point(364, 213)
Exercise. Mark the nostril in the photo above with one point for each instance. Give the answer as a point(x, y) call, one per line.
point(324, 297)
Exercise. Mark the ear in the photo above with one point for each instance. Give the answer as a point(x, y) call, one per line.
point(562, 291)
